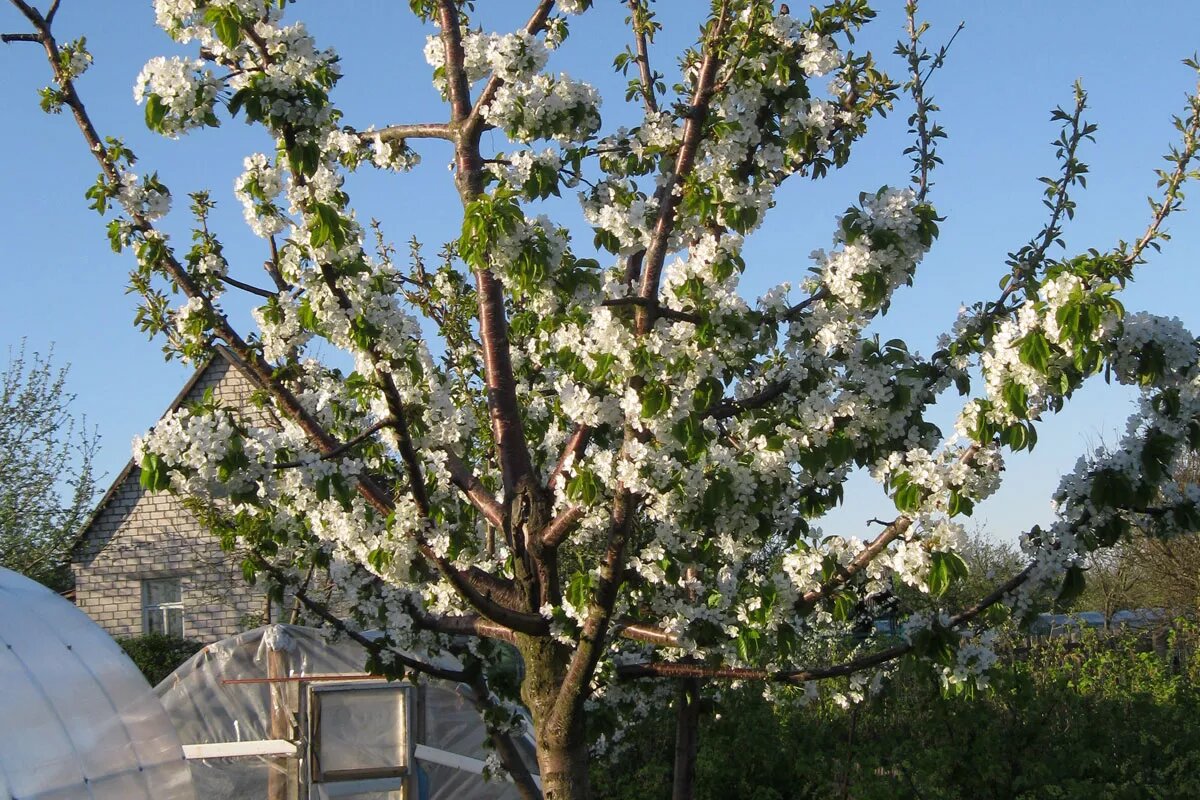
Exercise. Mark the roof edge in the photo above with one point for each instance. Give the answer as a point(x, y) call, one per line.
point(123, 475)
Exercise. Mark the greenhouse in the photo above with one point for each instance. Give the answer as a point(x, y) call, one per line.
point(80, 721)
point(286, 712)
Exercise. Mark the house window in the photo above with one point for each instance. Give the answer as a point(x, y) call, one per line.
point(162, 606)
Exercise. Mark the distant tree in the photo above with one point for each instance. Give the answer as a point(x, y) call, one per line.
point(988, 561)
point(1113, 583)
point(47, 480)
point(1168, 571)
point(1147, 571)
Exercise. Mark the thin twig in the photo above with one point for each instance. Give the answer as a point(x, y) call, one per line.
point(344, 448)
point(637, 9)
point(245, 287)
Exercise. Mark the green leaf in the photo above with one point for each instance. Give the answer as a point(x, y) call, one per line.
point(227, 24)
point(379, 559)
point(960, 505)
point(908, 497)
point(156, 111)
point(579, 589)
point(690, 432)
point(154, 476)
point(1073, 584)
point(307, 317)
point(944, 570)
point(606, 240)
point(1035, 351)
point(583, 487)
point(1016, 397)
point(747, 645)
point(604, 362)
point(708, 391)
point(656, 398)
point(844, 606)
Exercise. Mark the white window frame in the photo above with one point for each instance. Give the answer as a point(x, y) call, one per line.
point(162, 610)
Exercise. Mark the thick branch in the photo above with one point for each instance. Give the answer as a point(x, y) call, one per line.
point(508, 431)
point(666, 670)
point(794, 311)
point(479, 495)
point(458, 85)
point(516, 466)
point(592, 638)
point(561, 526)
point(891, 533)
point(576, 443)
point(693, 132)
point(641, 632)
point(398, 133)
point(463, 625)
point(724, 409)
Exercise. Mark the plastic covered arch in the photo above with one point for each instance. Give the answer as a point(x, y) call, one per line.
point(79, 720)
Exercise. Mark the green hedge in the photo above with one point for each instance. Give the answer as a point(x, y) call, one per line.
point(157, 655)
point(1100, 719)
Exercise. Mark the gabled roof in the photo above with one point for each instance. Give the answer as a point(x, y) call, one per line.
point(220, 353)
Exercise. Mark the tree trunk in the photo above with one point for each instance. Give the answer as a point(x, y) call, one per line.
point(559, 731)
point(564, 769)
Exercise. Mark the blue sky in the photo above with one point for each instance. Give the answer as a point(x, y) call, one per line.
point(1009, 67)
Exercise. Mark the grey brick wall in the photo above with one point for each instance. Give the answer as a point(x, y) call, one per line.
point(137, 536)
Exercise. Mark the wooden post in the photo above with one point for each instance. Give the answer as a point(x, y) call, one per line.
point(687, 739)
point(280, 726)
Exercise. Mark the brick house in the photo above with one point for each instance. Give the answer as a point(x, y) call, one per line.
point(144, 564)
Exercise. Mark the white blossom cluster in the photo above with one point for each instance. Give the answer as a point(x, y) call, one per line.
point(256, 188)
point(76, 56)
point(519, 167)
point(546, 107)
point(149, 200)
point(820, 54)
point(393, 155)
point(512, 57)
point(1113, 487)
point(185, 88)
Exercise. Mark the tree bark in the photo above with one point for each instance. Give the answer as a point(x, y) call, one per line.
point(561, 739)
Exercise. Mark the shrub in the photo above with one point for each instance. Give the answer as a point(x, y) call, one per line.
point(157, 655)
point(1104, 717)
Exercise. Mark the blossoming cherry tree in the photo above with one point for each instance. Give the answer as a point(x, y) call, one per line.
point(591, 445)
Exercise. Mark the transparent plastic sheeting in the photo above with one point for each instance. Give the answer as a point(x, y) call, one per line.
point(207, 709)
point(77, 719)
